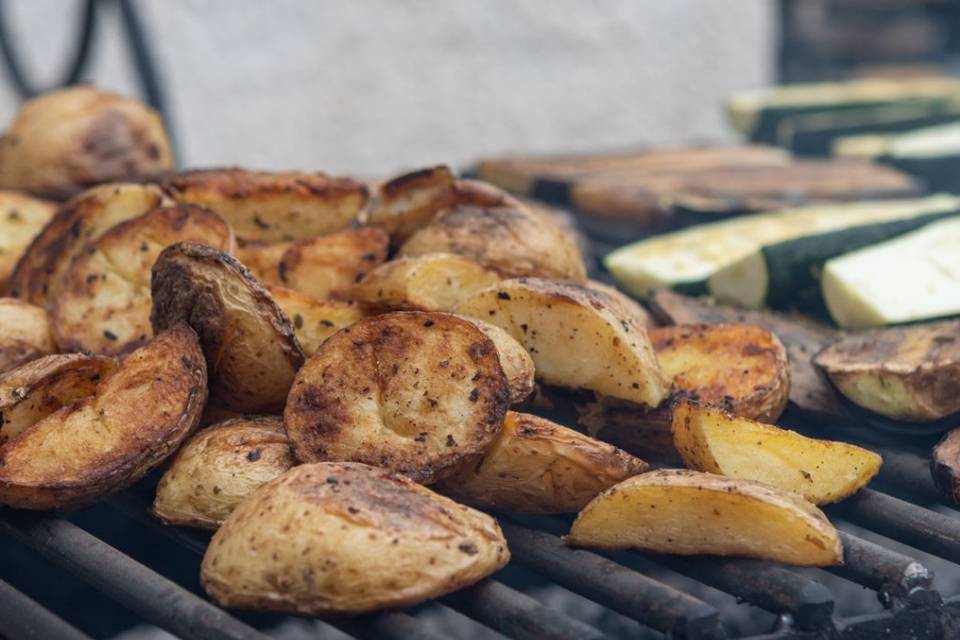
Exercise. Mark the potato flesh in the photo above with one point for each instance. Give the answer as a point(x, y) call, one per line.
point(328, 266)
point(314, 320)
point(822, 471)
point(21, 219)
point(516, 362)
point(24, 333)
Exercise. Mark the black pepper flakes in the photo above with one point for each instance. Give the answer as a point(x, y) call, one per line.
point(109, 335)
point(503, 295)
point(474, 395)
point(254, 455)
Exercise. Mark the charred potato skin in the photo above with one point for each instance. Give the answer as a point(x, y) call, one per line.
point(330, 265)
point(516, 362)
point(410, 391)
point(22, 217)
point(945, 466)
point(25, 333)
point(407, 542)
point(155, 399)
point(220, 466)
point(537, 466)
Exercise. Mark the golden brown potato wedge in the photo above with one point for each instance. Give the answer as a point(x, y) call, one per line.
point(414, 392)
point(516, 362)
point(139, 415)
point(262, 258)
point(328, 266)
point(822, 471)
point(431, 282)
point(945, 466)
point(36, 389)
point(905, 373)
point(314, 320)
point(641, 315)
point(248, 341)
point(21, 219)
point(299, 543)
point(24, 333)
point(537, 466)
point(579, 338)
point(217, 468)
point(65, 141)
point(104, 306)
point(691, 513)
point(272, 206)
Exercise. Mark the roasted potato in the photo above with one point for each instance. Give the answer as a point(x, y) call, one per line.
point(906, 373)
point(641, 315)
point(516, 362)
point(640, 430)
point(414, 392)
point(345, 538)
point(139, 415)
point(314, 320)
point(36, 389)
point(21, 219)
point(262, 258)
point(248, 341)
point(691, 513)
point(24, 333)
point(512, 240)
point(65, 141)
point(431, 282)
point(578, 337)
point(328, 266)
point(538, 466)
point(822, 471)
point(104, 306)
point(268, 206)
point(220, 466)
point(945, 466)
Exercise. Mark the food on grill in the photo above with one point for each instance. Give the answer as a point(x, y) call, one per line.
point(65, 141)
point(262, 258)
point(411, 391)
point(579, 338)
point(272, 206)
point(822, 471)
point(219, 467)
point(249, 343)
point(24, 333)
point(913, 277)
point(945, 466)
point(431, 282)
point(328, 266)
point(692, 513)
point(104, 304)
point(905, 373)
point(537, 466)
point(21, 218)
point(139, 414)
point(343, 538)
point(314, 320)
point(516, 362)
point(37, 388)
point(641, 315)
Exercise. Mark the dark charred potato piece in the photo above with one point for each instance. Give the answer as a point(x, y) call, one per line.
point(320, 526)
point(24, 333)
point(217, 468)
point(65, 141)
point(139, 415)
point(262, 258)
point(328, 266)
point(945, 466)
point(314, 320)
point(105, 302)
point(410, 391)
point(21, 219)
point(272, 206)
point(248, 341)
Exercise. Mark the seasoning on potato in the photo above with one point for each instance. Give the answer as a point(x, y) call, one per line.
point(328, 266)
point(314, 320)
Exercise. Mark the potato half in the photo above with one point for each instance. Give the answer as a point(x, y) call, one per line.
point(410, 391)
point(537, 466)
point(822, 471)
point(691, 513)
point(328, 266)
point(578, 337)
point(24, 333)
point(21, 219)
point(220, 466)
point(345, 538)
point(314, 320)
point(104, 306)
point(248, 341)
point(139, 415)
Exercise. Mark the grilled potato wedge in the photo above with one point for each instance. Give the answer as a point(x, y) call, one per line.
point(320, 526)
point(36, 389)
point(691, 513)
point(579, 338)
point(328, 266)
point(80, 221)
point(314, 320)
point(414, 392)
point(822, 471)
point(906, 373)
point(945, 466)
point(511, 240)
point(220, 466)
point(65, 141)
point(431, 282)
point(248, 341)
point(138, 415)
point(537, 466)
point(268, 206)
point(24, 333)
point(21, 219)
point(641, 315)
point(262, 258)
point(516, 362)
point(105, 302)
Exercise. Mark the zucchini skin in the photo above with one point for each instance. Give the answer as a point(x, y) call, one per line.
point(940, 173)
point(818, 141)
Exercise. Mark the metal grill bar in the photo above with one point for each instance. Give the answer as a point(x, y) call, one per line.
point(884, 570)
point(387, 626)
point(906, 471)
point(25, 619)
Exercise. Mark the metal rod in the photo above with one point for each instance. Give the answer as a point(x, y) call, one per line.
point(885, 570)
point(25, 619)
